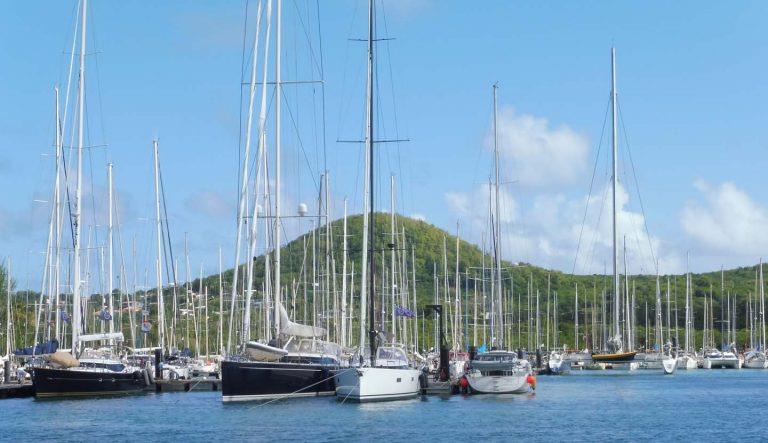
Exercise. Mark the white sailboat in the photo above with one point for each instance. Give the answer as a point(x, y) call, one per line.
point(498, 371)
point(687, 359)
point(669, 360)
point(755, 358)
point(388, 375)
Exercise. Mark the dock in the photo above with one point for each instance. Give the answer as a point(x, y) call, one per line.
point(17, 390)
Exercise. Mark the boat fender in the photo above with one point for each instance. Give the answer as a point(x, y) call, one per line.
point(531, 380)
point(463, 382)
point(146, 377)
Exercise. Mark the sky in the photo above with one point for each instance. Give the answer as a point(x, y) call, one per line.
point(692, 133)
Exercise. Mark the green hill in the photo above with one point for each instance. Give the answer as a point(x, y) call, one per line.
point(521, 283)
point(427, 243)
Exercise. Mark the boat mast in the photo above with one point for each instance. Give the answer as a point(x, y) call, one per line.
point(110, 303)
point(496, 217)
point(343, 282)
point(278, 106)
point(8, 315)
point(159, 266)
point(762, 309)
point(614, 178)
point(221, 307)
point(392, 284)
point(76, 308)
point(372, 221)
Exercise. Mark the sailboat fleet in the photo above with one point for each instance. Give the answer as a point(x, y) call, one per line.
point(335, 327)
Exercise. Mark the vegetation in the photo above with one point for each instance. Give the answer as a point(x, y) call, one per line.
point(427, 242)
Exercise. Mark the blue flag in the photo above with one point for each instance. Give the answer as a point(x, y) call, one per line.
point(63, 316)
point(404, 312)
point(105, 315)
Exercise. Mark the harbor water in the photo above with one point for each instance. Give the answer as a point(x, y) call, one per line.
point(697, 405)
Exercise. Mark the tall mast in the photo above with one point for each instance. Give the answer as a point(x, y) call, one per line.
point(278, 106)
point(392, 254)
point(57, 204)
point(343, 282)
point(496, 216)
point(372, 221)
point(8, 315)
point(159, 264)
point(221, 307)
point(614, 178)
point(576, 319)
point(762, 308)
point(242, 207)
point(76, 309)
point(110, 252)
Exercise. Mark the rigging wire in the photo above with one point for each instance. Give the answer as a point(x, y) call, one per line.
point(637, 186)
point(591, 184)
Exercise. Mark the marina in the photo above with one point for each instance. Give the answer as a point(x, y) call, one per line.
point(280, 272)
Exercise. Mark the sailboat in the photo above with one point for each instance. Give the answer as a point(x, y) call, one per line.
point(82, 371)
point(498, 371)
point(688, 358)
point(669, 360)
point(387, 374)
point(297, 362)
point(755, 358)
point(614, 351)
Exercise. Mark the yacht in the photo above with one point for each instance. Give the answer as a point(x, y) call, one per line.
point(387, 373)
point(499, 372)
point(558, 363)
point(94, 374)
point(715, 359)
point(391, 377)
point(304, 367)
point(755, 360)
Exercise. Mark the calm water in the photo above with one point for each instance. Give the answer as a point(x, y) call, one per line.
point(695, 405)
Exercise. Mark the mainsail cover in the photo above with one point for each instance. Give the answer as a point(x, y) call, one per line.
point(287, 327)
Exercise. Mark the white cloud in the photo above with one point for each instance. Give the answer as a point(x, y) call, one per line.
point(419, 217)
point(727, 221)
point(545, 231)
point(211, 203)
point(536, 154)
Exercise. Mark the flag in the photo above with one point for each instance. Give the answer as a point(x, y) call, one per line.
point(404, 312)
point(105, 315)
point(146, 327)
point(63, 316)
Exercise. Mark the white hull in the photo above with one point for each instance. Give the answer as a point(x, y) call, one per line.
point(721, 363)
point(377, 384)
point(756, 363)
point(669, 365)
point(686, 362)
point(755, 360)
point(498, 384)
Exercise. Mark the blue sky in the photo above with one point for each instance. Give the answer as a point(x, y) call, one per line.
point(691, 87)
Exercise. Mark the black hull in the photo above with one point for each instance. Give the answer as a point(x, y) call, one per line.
point(247, 381)
point(73, 383)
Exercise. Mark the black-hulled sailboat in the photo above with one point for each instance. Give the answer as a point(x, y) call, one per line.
point(85, 372)
point(295, 361)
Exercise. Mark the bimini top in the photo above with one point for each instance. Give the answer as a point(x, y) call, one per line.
point(313, 347)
